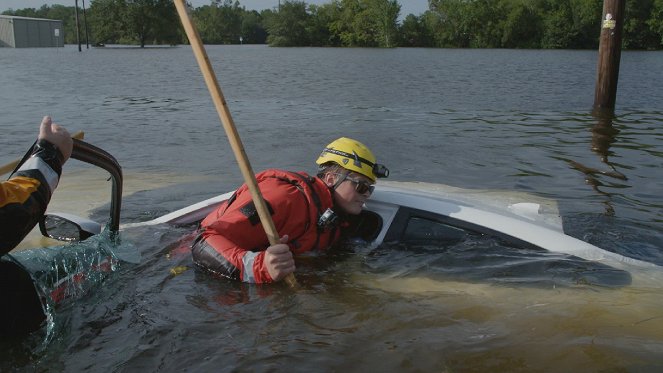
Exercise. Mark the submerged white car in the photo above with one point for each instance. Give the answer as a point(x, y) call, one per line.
point(437, 217)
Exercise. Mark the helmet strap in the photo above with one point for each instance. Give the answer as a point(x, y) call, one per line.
point(335, 174)
point(341, 179)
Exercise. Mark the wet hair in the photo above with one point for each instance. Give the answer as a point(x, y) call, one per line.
point(333, 168)
point(328, 167)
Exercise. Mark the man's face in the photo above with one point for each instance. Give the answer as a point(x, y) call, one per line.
point(353, 192)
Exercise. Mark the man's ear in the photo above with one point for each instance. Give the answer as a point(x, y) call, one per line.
point(329, 179)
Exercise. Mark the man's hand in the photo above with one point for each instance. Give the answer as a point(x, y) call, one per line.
point(279, 261)
point(56, 135)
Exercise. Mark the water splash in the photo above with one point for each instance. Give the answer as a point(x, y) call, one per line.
point(63, 274)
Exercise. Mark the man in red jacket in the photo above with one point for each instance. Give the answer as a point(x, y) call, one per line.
point(310, 212)
point(24, 197)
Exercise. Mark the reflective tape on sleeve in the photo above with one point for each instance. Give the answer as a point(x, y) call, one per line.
point(248, 260)
point(36, 163)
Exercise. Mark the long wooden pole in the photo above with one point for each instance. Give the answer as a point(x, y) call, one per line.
point(610, 49)
point(229, 127)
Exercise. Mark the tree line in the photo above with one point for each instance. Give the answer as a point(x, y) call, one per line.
point(548, 24)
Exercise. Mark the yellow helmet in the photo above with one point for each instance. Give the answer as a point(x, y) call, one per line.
point(353, 156)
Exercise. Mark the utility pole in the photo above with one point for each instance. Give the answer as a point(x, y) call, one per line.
point(610, 48)
point(78, 30)
point(87, 33)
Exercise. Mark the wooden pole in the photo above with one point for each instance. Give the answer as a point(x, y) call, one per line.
point(610, 48)
point(229, 127)
point(78, 30)
point(87, 32)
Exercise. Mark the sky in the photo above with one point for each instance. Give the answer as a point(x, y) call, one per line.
point(415, 7)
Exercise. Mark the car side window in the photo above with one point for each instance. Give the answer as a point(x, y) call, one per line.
point(366, 226)
point(414, 226)
point(420, 230)
point(458, 249)
point(418, 226)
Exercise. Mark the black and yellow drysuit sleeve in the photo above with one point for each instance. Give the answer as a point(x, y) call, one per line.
point(24, 197)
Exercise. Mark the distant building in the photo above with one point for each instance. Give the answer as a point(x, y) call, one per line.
point(23, 32)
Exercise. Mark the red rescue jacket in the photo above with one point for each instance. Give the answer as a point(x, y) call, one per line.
point(232, 240)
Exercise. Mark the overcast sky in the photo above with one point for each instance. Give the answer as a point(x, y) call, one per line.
point(415, 7)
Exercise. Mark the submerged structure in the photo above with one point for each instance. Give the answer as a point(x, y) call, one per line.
point(24, 32)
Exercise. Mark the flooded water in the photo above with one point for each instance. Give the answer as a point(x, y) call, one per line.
point(489, 119)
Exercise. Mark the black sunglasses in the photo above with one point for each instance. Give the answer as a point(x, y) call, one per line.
point(361, 186)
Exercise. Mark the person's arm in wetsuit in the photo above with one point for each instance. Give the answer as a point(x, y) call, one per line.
point(25, 196)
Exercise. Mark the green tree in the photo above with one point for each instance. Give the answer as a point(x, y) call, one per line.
point(414, 33)
point(319, 30)
point(655, 22)
point(558, 30)
point(27, 12)
point(474, 23)
point(486, 17)
point(68, 17)
point(288, 27)
point(638, 34)
point(571, 23)
point(166, 28)
point(107, 20)
point(587, 22)
point(143, 19)
point(451, 23)
point(521, 27)
point(220, 22)
point(208, 28)
point(384, 20)
point(252, 30)
point(351, 24)
point(365, 23)
point(135, 21)
point(432, 25)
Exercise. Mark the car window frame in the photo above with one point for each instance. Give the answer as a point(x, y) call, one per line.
point(398, 226)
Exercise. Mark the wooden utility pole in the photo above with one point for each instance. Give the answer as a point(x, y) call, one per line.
point(610, 49)
point(87, 33)
point(78, 30)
